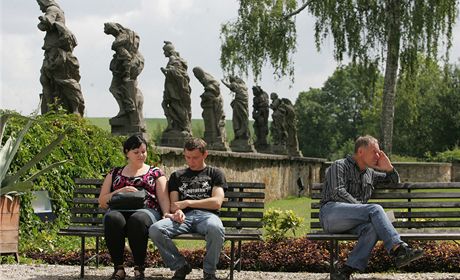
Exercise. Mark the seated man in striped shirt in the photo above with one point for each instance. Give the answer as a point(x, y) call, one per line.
point(344, 208)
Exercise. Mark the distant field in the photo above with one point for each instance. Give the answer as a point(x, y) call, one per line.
point(156, 126)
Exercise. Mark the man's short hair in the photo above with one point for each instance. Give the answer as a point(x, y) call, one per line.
point(194, 143)
point(364, 141)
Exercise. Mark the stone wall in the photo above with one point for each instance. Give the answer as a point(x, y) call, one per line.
point(279, 173)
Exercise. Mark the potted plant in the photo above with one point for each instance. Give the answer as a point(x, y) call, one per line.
point(12, 184)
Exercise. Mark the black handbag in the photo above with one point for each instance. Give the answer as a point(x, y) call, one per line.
point(127, 200)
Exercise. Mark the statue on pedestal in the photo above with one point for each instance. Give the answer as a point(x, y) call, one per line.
point(278, 126)
point(59, 74)
point(213, 111)
point(261, 105)
point(240, 119)
point(127, 63)
point(292, 142)
point(176, 99)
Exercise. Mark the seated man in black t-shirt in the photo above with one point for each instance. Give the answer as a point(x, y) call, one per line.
point(196, 195)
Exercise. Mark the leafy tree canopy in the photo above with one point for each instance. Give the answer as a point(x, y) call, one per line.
point(265, 31)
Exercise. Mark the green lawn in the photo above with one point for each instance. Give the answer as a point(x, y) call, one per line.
point(156, 126)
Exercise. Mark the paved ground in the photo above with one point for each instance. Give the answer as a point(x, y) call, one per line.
point(58, 272)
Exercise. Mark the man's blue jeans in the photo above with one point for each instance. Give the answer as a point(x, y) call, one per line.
point(203, 222)
point(369, 221)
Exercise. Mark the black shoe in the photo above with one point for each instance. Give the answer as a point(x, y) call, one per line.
point(118, 273)
point(208, 276)
point(182, 272)
point(404, 254)
point(343, 273)
point(139, 272)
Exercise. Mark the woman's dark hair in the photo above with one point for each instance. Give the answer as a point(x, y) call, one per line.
point(133, 142)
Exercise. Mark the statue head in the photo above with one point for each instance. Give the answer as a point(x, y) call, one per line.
point(257, 90)
point(45, 4)
point(168, 48)
point(273, 96)
point(112, 28)
point(199, 73)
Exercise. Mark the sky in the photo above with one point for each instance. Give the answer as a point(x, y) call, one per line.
point(192, 25)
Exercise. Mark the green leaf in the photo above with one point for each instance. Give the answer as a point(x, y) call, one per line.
point(16, 188)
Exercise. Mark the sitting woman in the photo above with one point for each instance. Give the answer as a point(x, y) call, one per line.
point(134, 223)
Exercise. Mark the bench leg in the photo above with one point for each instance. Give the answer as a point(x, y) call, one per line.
point(97, 251)
point(232, 258)
point(239, 256)
point(334, 256)
point(82, 258)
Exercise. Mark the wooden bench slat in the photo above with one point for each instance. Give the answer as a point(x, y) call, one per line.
point(238, 204)
point(242, 224)
point(255, 195)
point(245, 185)
point(88, 181)
point(241, 214)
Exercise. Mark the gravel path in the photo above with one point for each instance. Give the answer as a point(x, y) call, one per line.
point(55, 272)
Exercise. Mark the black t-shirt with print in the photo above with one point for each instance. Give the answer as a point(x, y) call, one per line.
point(196, 185)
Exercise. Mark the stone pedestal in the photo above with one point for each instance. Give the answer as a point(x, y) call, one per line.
point(262, 148)
point(278, 150)
point(121, 126)
point(242, 145)
point(174, 138)
point(215, 142)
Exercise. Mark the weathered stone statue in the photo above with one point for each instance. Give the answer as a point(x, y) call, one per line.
point(292, 142)
point(59, 74)
point(240, 119)
point(213, 111)
point(176, 99)
point(261, 105)
point(278, 126)
point(127, 63)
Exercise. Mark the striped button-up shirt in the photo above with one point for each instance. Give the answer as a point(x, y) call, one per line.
point(345, 182)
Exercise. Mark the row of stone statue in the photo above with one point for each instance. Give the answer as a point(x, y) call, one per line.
point(60, 81)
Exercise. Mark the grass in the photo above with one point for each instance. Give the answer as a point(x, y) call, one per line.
point(156, 126)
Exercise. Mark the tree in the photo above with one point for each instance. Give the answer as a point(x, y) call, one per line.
point(427, 118)
point(390, 32)
point(346, 106)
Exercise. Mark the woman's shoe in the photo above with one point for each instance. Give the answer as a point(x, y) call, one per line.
point(139, 272)
point(119, 273)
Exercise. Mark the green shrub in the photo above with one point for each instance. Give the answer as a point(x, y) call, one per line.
point(446, 156)
point(93, 152)
point(278, 222)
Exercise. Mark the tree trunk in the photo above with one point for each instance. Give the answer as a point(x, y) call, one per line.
point(391, 71)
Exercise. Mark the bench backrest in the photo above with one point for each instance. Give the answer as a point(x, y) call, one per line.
point(427, 205)
point(242, 208)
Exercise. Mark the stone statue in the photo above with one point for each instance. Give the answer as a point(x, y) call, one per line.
point(240, 119)
point(213, 111)
point(278, 126)
point(176, 99)
point(59, 74)
point(261, 105)
point(291, 128)
point(127, 63)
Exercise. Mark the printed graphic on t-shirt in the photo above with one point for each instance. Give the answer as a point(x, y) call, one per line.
point(196, 187)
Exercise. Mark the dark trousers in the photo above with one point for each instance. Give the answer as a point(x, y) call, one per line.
point(135, 226)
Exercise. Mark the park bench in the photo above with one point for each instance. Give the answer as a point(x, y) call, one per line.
point(241, 214)
point(423, 211)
